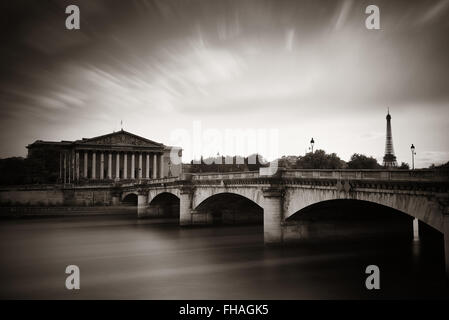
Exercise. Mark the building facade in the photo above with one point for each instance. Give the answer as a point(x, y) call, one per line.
point(112, 157)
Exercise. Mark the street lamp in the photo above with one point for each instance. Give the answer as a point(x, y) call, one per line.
point(413, 156)
point(312, 142)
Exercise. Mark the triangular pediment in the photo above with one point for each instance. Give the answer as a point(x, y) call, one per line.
point(122, 138)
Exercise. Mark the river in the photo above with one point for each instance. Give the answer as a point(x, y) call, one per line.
point(121, 257)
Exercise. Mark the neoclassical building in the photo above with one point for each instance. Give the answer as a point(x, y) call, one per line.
point(115, 156)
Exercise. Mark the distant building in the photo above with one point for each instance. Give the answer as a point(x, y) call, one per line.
point(116, 156)
point(389, 157)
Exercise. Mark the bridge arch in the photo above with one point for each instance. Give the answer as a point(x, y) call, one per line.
point(168, 195)
point(153, 193)
point(164, 204)
point(230, 208)
point(126, 194)
point(417, 206)
point(202, 194)
point(129, 199)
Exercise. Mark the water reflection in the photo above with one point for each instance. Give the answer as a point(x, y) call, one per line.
point(121, 257)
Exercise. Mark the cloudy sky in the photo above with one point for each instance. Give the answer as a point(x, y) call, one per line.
point(303, 68)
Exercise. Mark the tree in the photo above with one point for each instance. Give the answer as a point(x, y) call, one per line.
point(360, 161)
point(288, 162)
point(320, 160)
point(442, 166)
point(255, 162)
point(404, 166)
point(13, 171)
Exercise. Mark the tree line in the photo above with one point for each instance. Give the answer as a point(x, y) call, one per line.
point(322, 160)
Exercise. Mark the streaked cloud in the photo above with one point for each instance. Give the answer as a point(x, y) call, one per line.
point(435, 11)
point(300, 66)
point(343, 14)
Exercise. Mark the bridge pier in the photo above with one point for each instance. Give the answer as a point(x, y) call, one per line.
point(185, 207)
point(115, 199)
point(142, 203)
point(446, 239)
point(272, 215)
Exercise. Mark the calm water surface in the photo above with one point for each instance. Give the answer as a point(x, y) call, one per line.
point(121, 257)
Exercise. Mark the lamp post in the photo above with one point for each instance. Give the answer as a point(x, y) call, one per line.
point(312, 142)
point(412, 148)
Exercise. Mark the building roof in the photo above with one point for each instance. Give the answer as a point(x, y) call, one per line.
point(49, 143)
point(124, 137)
point(121, 138)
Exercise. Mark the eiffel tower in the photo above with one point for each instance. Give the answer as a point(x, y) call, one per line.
point(389, 157)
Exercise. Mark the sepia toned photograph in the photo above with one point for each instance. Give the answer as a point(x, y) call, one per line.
point(215, 150)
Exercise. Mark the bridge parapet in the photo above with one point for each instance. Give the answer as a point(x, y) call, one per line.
point(367, 176)
point(379, 174)
point(161, 180)
point(225, 176)
point(385, 175)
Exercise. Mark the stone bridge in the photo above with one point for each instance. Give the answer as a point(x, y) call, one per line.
point(276, 200)
point(421, 194)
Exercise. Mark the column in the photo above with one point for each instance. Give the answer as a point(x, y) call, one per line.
point(65, 167)
point(85, 164)
point(185, 207)
point(142, 203)
point(101, 165)
point(125, 166)
point(272, 215)
point(161, 163)
point(154, 166)
point(133, 169)
point(415, 229)
point(73, 165)
point(109, 165)
point(147, 166)
point(70, 166)
point(94, 165)
point(60, 167)
point(117, 166)
point(77, 161)
point(140, 165)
